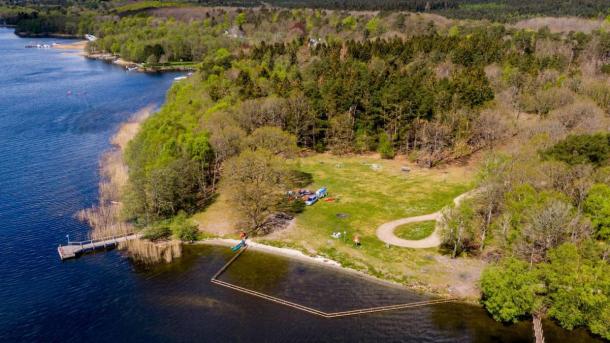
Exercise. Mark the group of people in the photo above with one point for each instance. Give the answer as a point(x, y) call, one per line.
point(338, 234)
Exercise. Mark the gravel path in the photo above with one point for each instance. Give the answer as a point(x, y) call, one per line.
point(385, 232)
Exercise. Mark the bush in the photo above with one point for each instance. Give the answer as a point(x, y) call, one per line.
point(581, 149)
point(544, 101)
point(183, 228)
point(599, 92)
point(157, 232)
point(385, 147)
point(510, 290)
point(597, 207)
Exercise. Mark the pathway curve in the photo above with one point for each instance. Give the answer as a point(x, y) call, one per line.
point(385, 232)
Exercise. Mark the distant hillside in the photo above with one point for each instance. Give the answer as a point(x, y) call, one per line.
point(501, 10)
point(497, 10)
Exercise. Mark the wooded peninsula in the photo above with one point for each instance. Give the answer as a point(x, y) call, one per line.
point(396, 108)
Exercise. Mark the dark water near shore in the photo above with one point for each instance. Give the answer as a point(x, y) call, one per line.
point(50, 143)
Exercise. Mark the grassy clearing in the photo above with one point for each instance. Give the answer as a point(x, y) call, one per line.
point(415, 231)
point(219, 219)
point(367, 192)
point(364, 198)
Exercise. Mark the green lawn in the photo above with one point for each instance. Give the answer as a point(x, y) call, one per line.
point(365, 196)
point(415, 231)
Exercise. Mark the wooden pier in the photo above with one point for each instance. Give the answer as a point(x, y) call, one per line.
point(75, 249)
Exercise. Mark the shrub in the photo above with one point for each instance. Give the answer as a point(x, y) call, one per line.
point(597, 207)
point(581, 149)
point(157, 232)
point(599, 92)
point(547, 100)
point(385, 147)
point(183, 228)
point(510, 290)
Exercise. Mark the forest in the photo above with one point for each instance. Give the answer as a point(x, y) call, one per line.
point(75, 16)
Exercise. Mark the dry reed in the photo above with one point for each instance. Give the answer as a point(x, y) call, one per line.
point(105, 218)
point(147, 252)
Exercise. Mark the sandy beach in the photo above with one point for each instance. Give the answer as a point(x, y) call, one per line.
point(319, 260)
point(80, 45)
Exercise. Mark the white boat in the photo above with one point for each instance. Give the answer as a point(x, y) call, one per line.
point(178, 78)
point(90, 38)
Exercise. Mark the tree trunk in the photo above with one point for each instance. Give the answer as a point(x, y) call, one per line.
point(486, 226)
point(457, 241)
point(538, 333)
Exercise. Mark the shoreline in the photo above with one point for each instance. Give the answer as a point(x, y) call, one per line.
point(112, 161)
point(104, 217)
point(132, 66)
point(46, 35)
point(81, 47)
point(326, 262)
point(110, 203)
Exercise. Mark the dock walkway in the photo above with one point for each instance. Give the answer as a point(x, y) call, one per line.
point(74, 249)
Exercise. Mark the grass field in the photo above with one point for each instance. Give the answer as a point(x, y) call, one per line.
point(366, 192)
point(365, 196)
point(415, 231)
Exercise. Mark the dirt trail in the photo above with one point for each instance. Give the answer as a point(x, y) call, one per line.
point(385, 232)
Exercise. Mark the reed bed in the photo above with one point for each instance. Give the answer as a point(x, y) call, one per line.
point(105, 218)
point(147, 252)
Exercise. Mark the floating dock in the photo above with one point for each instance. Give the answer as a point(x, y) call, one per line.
point(75, 249)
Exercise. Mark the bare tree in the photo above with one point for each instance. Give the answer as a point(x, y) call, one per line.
point(433, 138)
point(488, 128)
point(225, 138)
point(491, 197)
point(256, 182)
point(457, 228)
point(548, 226)
point(301, 120)
point(341, 133)
point(273, 139)
point(260, 112)
point(581, 117)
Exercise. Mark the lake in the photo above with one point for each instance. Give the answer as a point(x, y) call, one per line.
point(57, 113)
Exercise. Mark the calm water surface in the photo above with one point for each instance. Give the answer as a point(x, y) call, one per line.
point(57, 113)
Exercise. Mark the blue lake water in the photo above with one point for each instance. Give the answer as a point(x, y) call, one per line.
point(57, 113)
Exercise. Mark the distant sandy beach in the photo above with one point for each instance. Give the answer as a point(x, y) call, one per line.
point(80, 45)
